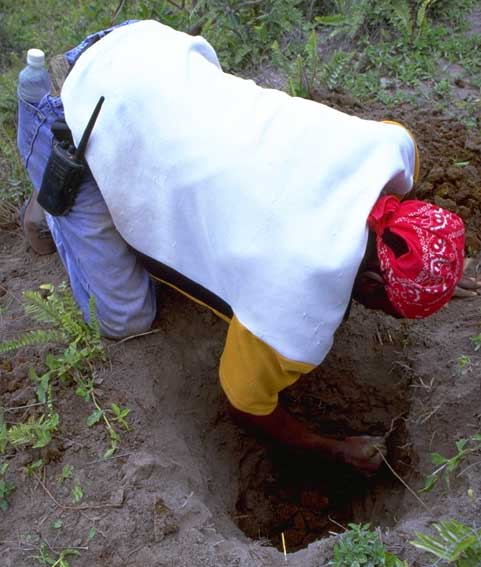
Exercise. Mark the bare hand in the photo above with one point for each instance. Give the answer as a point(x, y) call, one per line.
point(364, 453)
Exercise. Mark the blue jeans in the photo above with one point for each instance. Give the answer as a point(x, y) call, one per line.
point(97, 259)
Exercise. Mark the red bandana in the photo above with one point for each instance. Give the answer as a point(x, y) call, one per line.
point(421, 280)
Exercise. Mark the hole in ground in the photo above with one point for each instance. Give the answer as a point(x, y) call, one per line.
point(305, 498)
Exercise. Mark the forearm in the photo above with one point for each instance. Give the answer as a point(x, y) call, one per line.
point(363, 453)
point(282, 428)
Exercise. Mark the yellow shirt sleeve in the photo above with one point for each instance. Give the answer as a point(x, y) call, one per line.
point(252, 373)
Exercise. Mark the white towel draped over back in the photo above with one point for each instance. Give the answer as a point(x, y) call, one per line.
point(260, 197)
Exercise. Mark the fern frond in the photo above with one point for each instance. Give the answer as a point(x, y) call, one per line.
point(39, 308)
point(36, 433)
point(402, 18)
point(3, 433)
point(37, 337)
point(456, 541)
point(93, 319)
point(57, 309)
point(333, 20)
point(334, 69)
point(421, 13)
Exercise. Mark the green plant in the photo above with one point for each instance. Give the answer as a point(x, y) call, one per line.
point(6, 487)
point(31, 468)
point(91, 534)
point(445, 466)
point(14, 186)
point(399, 43)
point(334, 69)
point(407, 19)
point(35, 432)
point(456, 543)
point(362, 547)
point(304, 73)
point(464, 363)
point(87, 391)
point(56, 524)
point(77, 493)
point(66, 473)
point(442, 88)
point(3, 433)
point(241, 32)
point(476, 340)
point(349, 17)
point(410, 18)
point(56, 308)
point(44, 556)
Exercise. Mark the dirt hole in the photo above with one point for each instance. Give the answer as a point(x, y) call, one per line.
point(305, 498)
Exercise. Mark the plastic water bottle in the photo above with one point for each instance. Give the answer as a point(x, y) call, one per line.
point(34, 80)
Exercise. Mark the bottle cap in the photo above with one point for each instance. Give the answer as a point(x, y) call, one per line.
point(35, 57)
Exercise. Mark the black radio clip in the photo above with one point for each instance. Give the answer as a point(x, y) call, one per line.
point(65, 167)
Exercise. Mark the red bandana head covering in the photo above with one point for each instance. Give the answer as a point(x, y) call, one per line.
point(421, 280)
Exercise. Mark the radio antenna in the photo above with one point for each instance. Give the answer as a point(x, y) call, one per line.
point(79, 153)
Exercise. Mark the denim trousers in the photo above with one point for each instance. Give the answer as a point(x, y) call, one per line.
point(97, 259)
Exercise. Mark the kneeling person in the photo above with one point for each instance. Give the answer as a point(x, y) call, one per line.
point(272, 210)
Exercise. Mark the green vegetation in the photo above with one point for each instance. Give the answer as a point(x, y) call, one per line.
point(6, 487)
point(456, 544)
point(60, 323)
point(362, 547)
point(52, 559)
point(476, 340)
point(67, 472)
point(77, 493)
point(464, 362)
point(36, 432)
point(446, 466)
point(63, 323)
point(32, 468)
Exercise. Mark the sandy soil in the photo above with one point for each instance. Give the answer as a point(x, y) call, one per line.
point(187, 488)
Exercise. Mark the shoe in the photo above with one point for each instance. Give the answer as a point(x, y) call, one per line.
point(35, 227)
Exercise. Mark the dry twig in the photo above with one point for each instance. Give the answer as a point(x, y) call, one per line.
point(402, 481)
point(72, 508)
point(135, 337)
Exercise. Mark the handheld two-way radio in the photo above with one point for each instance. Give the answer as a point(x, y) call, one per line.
point(64, 170)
